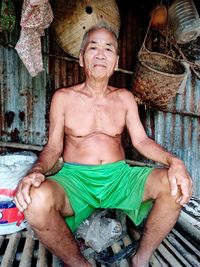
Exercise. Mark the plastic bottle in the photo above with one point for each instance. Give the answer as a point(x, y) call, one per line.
point(184, 21)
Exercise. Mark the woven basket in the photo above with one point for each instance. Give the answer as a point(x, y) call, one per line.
point(156, 79)
point(73, 18)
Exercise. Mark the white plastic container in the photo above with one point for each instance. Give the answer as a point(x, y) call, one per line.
point(13, 167)
point(184, 20)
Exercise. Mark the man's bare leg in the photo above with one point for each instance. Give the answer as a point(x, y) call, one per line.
point(44, 216)
point(161, 219)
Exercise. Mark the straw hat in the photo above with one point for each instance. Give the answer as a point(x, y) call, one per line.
point(73, 18)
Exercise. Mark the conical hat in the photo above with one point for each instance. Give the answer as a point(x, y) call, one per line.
point(73, 18)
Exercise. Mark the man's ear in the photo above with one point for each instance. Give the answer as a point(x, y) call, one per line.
point(117, 63)
point(81, 59)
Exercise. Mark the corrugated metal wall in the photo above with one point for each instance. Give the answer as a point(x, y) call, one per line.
point(183, 131)
point(179, 131)
point(25, 100)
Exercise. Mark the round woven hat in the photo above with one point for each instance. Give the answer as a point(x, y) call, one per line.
point(73, 18)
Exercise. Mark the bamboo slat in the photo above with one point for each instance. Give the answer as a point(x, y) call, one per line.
point(170, 257)
point(157, 261)
point(2, 237)
point(11, 249)
point(57, 262)
point(26, 258)
point(42, 256)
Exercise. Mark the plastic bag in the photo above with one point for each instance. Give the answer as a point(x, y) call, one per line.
point(99, 231)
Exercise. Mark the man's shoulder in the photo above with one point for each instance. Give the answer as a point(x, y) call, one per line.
point(71, 90)
point(120, 90)
point(123, 93)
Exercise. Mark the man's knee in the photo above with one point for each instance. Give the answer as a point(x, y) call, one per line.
point(158, 185)
point(164, 185)
point(44, 200)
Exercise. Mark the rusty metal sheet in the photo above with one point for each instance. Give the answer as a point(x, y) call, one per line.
point(180, 133)
point(22, 98)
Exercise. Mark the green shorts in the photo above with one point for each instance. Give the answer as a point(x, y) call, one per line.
point(114, 185)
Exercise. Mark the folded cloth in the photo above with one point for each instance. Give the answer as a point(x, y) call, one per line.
point(34, 20)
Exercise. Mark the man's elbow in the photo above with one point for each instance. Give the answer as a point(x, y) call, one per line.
point(142, 142)
point(54, 150)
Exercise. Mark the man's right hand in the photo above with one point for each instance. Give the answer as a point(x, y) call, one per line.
point(22, 197)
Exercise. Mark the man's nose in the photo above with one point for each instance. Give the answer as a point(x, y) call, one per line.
point(100, 54)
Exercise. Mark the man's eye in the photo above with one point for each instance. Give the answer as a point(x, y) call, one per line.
point(108, 49)
point(92, 47)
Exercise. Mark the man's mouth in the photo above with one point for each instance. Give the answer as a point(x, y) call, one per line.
point(99, 65)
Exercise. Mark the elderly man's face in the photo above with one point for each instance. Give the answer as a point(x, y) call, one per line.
point(100, 58)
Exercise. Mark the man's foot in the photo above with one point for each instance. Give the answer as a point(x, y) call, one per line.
point(138, 262)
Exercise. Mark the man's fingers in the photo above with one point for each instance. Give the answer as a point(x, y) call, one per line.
point(20, 207)
point(179, 178)
point(21, 202)
point(173, 186)
point(37, 180)
point(25, 193)
point(185, 184)
point(22, 198)
point(186, 188)
point(178, 200)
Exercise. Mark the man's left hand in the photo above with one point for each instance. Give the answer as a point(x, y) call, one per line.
point(180, 178)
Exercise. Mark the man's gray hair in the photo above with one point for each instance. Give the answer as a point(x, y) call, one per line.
point(98, 26)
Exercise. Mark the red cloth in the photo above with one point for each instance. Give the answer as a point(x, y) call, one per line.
point(34, 20)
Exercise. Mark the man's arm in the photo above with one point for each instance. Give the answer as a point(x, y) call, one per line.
point(177, 172)
point(54, 147)
point(49, 155)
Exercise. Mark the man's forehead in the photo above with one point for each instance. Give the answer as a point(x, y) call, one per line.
point(101, 31)
point(102, 35)
point(97, 41)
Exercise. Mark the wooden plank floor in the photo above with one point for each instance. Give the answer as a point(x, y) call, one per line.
point(21, 250)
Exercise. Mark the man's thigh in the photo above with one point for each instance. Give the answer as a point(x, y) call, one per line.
point(66, 208)
point(57, 193)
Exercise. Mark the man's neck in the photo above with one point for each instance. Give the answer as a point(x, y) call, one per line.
point(96, 88)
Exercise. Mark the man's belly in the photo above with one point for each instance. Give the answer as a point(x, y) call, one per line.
point(93, 149)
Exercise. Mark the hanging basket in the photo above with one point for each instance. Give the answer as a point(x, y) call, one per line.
point(156, 78)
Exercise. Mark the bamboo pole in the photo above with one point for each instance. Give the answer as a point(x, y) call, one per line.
point(21, 146)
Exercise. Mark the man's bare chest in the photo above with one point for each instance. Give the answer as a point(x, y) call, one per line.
point(96, 117)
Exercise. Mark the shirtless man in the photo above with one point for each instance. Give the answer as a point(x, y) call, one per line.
point(86, 125)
